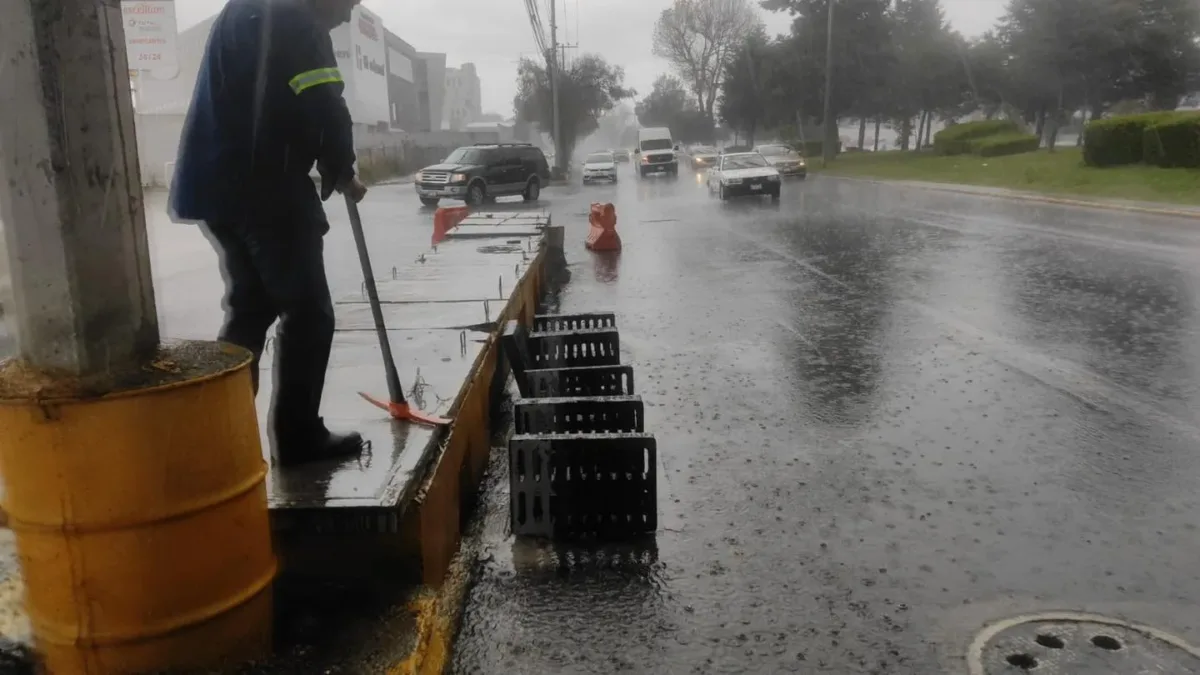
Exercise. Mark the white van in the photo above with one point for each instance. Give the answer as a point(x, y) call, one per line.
point(655, 152)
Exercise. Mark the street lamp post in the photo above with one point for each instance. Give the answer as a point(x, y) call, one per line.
point(827, 147)
point(555, 63)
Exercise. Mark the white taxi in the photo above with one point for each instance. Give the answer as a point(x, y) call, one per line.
point(744, 174)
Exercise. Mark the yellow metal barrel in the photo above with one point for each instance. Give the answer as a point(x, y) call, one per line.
point(140, 514)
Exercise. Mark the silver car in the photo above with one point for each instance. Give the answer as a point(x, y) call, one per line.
point(785, 159)
point(600, 166)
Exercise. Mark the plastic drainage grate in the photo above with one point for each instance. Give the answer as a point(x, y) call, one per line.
point(586, 381)
point(1079, 644)
point(561, 322)
point(589, 485)
point(573, 349)
point(580, 415)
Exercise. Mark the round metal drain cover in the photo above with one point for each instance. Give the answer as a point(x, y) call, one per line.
point(1067, 643)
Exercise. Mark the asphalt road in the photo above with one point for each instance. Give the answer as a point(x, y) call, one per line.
point(886, 418)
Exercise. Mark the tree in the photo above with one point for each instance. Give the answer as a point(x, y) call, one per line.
point(928, 79)
point(1046, 60)
point(861, 46)
point(669, 105)
point(698, 37)
point(590, 87)
point(1166, 54)
point(748, 98)
point(666, 102)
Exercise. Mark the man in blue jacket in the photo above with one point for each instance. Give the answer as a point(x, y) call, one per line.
point(267, 106)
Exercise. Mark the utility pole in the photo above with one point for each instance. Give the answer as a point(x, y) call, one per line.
point(71, 194)
point(120, 455)
point(559, 160)
point(831, 135)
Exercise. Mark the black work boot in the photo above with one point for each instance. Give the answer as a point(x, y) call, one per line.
point(318, 445)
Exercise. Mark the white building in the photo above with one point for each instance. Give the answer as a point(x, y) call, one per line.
point(163, 96)
point(463, 104)
point(362, 57)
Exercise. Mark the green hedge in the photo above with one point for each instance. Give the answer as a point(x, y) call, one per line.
point(1173, 143)
point(1010, 143)
point(956, 140)
point(1117, 141)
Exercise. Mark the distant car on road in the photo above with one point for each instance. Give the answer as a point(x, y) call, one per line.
point(477, 173)
point(600, 166)
point(744, 174)
point(703, 156)
point(620, 155)
point(785, 159)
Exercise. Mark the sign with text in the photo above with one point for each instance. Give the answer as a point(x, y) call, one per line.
point(362, 58)
point(150, 34)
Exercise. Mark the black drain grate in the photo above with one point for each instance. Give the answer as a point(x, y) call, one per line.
point(561, 322)
point(574, 349)
point(594, 485)
point(586, 381)
point(580, 415)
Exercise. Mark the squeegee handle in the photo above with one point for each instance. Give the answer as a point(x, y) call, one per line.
point(395, 391)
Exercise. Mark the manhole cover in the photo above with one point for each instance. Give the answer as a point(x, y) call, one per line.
point(1079, 644)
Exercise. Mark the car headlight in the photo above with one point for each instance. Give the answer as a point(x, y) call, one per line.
point(458, 178)
point(774, 177)
point(420, 177)
point(732, 181)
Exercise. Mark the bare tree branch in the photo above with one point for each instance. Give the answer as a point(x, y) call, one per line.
point(698, 37)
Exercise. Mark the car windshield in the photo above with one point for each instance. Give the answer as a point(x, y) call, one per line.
point(775, 150)
point(705, 150)
point(467, 156)
point(746, 161)
point(656, 144)
point(599, 158)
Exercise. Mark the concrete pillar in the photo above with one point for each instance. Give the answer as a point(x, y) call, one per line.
point(70, 189)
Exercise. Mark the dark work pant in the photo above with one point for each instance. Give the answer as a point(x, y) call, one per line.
point(277, 270)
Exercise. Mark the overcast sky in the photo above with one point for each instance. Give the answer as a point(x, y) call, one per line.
point(494, 34)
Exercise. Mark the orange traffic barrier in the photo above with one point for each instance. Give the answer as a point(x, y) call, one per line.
point(602, 233)
point(445, 219)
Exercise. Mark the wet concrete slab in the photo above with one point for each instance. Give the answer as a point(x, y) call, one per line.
point(434, 365)
point(499, 224)
point(406, 316)
point(436, 336)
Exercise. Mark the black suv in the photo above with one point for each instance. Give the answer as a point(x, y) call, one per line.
point(484, 171)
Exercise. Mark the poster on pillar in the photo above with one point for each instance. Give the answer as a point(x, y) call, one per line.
point(151, 34)
point(362, 58)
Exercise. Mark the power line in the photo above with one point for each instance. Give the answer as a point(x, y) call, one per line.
point(535, 22)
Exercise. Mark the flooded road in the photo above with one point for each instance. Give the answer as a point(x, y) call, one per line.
point(886, 419)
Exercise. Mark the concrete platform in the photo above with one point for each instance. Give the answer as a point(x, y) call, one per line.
point(441, 310)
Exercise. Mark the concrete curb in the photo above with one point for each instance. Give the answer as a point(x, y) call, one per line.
point(438, 615)
point(1193, 214)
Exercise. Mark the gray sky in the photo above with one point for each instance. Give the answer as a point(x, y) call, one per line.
point(494, 34)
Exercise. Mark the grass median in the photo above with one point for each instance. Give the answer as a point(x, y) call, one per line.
point(1060, 173)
